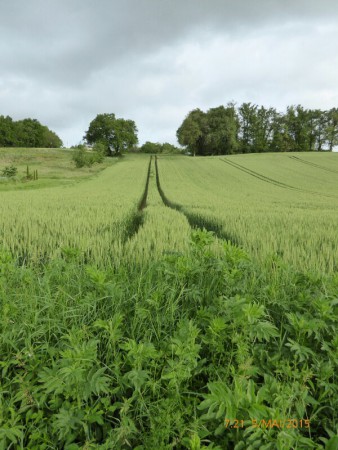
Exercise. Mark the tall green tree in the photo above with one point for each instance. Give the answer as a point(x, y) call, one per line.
point(6, 131)
point(222, 130)
point(281, 140)
point(320, 123)
point(312, 117)
point(262, 132)
point(331, 130)
point(300, 127)
point(28, 133)
point(247, 126)
point(117, 135)
point(210, 133)
point(49, 139)
point(191, 134)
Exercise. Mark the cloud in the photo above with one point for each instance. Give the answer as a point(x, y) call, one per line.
point(152, 61)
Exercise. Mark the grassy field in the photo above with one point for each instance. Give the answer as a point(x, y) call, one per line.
point(93, 218)
point(125, 325)
point(54, 166)
point(274, 204)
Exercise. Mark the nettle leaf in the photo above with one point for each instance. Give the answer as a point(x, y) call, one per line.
point(137, 378)
point(139, 353)
point(98, 382)
point(66, 422)
point(96, 276)
point(72, 374)
point(112, 327)
point(12, 434)
point(85, 351)
point(183, 343)
point(253, 312)
point(267, 390)
point(258, 411)
point(306, 324)
point(94, 416)
point(219, 402)
point(51, 380)
point(301, 351)
point(217, 325)
point(187, 330)
point(263, 331)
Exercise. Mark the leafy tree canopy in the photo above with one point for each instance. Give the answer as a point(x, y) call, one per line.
point(250, 128)
point(156, 147)
point(117, 135)
point(210, 133)
point(151, 147)
point(26, 133)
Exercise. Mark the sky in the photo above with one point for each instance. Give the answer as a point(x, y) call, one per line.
point(152, 61)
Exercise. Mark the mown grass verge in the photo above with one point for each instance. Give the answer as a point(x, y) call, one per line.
point(158, 356)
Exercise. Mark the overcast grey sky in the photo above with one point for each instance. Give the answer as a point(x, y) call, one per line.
point(64, 61)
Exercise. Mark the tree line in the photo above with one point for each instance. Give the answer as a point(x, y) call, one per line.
point(116, 135)
point(251, 128)
point(27, 133)
point(157, 147)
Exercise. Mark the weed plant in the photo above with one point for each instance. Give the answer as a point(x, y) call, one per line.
point(160, 355)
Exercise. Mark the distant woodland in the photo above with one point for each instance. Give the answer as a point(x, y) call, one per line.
point(223, 130)
point(251, 128)
point(26, 133)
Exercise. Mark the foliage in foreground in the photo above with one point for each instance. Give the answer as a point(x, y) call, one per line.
point(159, 357)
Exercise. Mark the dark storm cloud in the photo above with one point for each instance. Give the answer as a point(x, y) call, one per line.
point(154, 60)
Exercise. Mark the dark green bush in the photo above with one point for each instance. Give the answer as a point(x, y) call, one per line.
point(86, 158)
point(9, 171)
point(100, 152)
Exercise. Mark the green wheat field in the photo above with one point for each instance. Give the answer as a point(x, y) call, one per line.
point(169, 302)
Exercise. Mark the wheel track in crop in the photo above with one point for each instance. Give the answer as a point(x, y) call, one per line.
point(143, 202)
point(310, 163)
point(195, 220)
point(136, 219)
point(269, 180)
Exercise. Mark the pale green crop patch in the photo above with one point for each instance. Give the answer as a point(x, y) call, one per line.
point(91, 217)
point(269, 204)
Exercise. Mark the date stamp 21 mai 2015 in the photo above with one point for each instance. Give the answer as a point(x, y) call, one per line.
point(267, 424)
